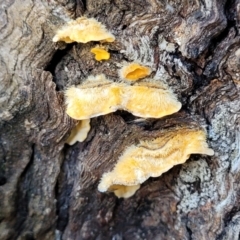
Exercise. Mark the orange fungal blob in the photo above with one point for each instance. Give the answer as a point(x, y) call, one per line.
point(100, 54)
point(134, 72)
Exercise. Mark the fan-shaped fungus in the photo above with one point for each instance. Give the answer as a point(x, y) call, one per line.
point(99, 96)
point(152, 158)
point(149, 100)
point(83, 30)
point(79, 132)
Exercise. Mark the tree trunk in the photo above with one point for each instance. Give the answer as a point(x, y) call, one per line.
point(49, 189)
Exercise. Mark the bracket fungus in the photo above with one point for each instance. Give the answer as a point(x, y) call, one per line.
point(96, 96)
point(134, 72)
point(152, 158)
point(100, 53)
point(99, 96)
point(79, 132)
point(83, 30)
point(149, 99)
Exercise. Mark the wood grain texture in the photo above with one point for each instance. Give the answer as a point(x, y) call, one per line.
point(49, 190)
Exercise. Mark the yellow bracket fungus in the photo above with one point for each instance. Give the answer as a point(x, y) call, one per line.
point(152, 158)
point(100, 54)
point(83, 30)
point(79, 132)
point(149, 100)
point(99, 96)
point(134, 72)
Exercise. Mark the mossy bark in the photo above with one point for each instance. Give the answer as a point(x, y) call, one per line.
point(48, 190)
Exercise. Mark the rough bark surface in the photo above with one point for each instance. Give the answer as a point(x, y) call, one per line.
point(48, 190)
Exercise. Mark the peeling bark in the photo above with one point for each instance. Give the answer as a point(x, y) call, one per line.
point(49, 189)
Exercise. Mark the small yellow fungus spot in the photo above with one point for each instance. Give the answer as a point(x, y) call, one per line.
point(152, 159)
point(134, 72)
point(99, 96)
point(100, 54)
point(79, 132)
point(83, 30)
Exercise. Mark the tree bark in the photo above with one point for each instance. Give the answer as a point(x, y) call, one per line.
point(48, 190)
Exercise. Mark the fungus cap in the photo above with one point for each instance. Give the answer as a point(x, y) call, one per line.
point(83, 30)
point(99, 96)
point(149, 100)
point(152, 158)
point(134, 72)
point(79, 132)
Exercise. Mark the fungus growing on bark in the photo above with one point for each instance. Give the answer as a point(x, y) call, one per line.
point(160, 101)
point(99, 96)
point(100, 53)
point(79, 132)
point(152, 158)
point(134, 72)
point(124, 191)
point(83, 30)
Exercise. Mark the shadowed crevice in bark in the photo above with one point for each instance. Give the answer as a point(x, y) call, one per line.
point(3, 154)
point(82, 3)
point(218, 43)
point(63, 191)
point(56, 59)
point(23, 195)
